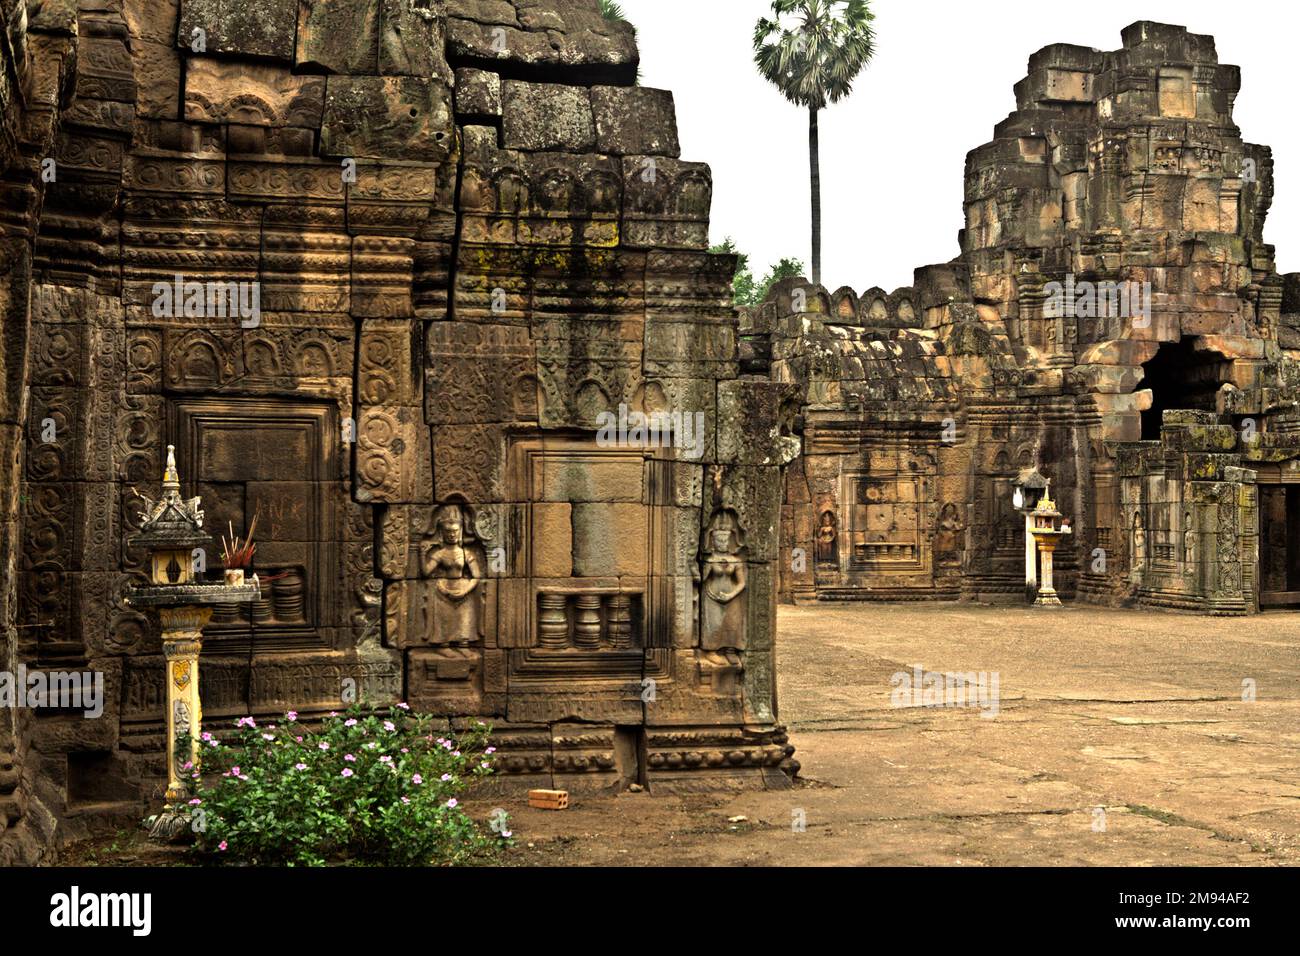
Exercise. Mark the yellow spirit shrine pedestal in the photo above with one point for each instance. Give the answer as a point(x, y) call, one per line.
point(1045, 526)
point(172, 531)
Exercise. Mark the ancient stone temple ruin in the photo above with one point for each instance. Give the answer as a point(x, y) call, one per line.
point(1114, 324)
point(404, 279)
point(422, 286)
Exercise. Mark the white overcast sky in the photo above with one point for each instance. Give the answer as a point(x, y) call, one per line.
point(893, 153)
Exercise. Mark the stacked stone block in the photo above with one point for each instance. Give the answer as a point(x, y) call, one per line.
point(469, 235)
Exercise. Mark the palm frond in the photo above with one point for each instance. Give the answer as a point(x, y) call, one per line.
point(813, 50)
point(612, 11)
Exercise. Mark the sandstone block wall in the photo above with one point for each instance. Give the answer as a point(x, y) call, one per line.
point(471, 236)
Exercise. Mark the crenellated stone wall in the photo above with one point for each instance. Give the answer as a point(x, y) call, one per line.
point(463, 242)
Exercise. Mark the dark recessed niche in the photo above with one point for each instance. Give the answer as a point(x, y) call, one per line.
point(97, 776)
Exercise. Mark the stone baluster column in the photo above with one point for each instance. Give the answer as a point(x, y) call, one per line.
point(586, 629)
point(620, 621)
point(553, 625)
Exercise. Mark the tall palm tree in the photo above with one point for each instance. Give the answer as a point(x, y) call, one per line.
point(812, 51)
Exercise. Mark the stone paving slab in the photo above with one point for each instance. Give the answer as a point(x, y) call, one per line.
point(1121, 738)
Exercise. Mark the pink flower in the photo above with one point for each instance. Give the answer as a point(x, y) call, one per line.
point(417, 780)
point(299, 739)
point(195, 802)
point(245, 722)
point(205, 736)
point(506, 834)
point(268, 736)
point(385, 759)
point(350, 758)
point(446, 777)
point(490, 750)
point(389, 726)
point(485, 765)
point(406, 799)
point(324, 745)
point(350, 722)
point(222, 845)
point(405, 751)
point(292, 715)
point(235, 771)
point(347, 771)
point(300, 766)
point(404, 706)
point(451, 804)
point(188, 765)
point(334, 713)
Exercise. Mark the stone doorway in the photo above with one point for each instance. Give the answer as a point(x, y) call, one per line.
point(1279, 545)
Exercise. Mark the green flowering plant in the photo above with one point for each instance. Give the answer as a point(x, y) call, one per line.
point(366, 787)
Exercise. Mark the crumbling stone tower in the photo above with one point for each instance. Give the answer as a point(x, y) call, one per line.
point(1118, 172)
point(471, 241)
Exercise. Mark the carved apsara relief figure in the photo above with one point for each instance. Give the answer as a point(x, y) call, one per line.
point(1139, 547)
point(828, 549)
point(451, 606)
point(948, 538)
point(722, 585)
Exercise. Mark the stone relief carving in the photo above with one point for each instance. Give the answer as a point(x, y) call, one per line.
point(452, 604)
point(948, 544)
point(722, 586)
point(828, 551)
point(1139, 549)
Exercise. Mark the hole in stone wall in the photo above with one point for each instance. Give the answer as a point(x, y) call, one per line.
point(629, 755)
point(95, 776)
point(1181, 376)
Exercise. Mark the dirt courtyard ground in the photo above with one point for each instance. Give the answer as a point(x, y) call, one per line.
point(1120, 738)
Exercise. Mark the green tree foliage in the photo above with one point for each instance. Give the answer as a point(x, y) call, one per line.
point(785, 269)
point(744, 288)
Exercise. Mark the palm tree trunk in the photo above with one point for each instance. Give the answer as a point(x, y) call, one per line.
point(815, 162)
